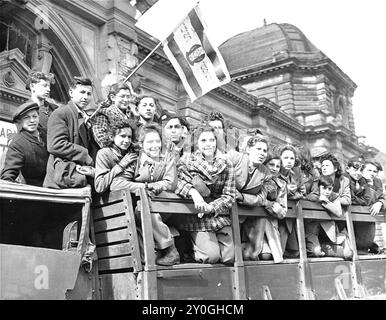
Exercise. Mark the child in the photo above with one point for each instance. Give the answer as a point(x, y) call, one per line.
point(360, 191)
point(27, 152)
point(39, 84)
point(296, 190)
point(254, 183)
point(68, 141)
point(153, 171)
point(365, 231)
point(335, 244)
point(204, 173)
point(120, 97)
point(115, 165)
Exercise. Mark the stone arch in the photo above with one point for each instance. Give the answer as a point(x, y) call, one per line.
point(54, 44)
point(341, 112)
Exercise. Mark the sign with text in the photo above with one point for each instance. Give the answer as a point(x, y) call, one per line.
point(7, 131)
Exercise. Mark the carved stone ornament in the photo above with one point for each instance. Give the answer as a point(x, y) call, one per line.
point(9, 79)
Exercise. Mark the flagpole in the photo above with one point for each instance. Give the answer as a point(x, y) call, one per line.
point(130, 75)
point(137, 68)
point(143, 61)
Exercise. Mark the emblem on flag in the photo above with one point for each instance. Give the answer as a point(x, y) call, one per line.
point(196, 60)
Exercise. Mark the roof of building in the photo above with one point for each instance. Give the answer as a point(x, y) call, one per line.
point(266, 45)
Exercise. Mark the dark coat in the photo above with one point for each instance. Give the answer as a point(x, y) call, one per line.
point(67, 139)
point(26, 154)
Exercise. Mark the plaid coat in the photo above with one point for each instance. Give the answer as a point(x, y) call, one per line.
point(106, 118)
point(219, 178)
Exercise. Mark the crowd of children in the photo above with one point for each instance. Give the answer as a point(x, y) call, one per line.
point(131, 143)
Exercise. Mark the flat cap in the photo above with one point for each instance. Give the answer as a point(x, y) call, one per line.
point(25, 107)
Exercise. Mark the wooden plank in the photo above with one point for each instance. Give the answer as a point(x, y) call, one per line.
point(150, 291)
point(108, 211)
point(109, 224)
point(320, 215)
point(176, 207)
point(125, 262)
point(115, 250)
point(55, 199)
point(355, 268)
point(106, 198)
point(238, 276)
point(259, 212)
point(361, 209)
point(118, 286)
point(129, 213)
point(306, 292)
point(367, 217)
point(112, 236)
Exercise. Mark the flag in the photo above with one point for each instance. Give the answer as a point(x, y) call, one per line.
point(198, 63)
point(144, 5)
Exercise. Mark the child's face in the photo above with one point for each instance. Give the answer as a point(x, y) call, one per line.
point(146, 109)
point(174, 130)
point(123, 138)
point(41, 89)
point(370, 171)
point(30, 121)
point(81, 95)
point(288, 159)
point(258, 152)
point(274, 166)
point(152, 144)
point(207, 143)
point(325, 191)
point(328, 168)
point(122, 99)
point(354, 173)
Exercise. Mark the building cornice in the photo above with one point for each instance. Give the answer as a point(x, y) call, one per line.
point(295, 64)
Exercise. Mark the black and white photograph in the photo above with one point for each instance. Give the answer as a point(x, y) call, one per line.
point(192, 155)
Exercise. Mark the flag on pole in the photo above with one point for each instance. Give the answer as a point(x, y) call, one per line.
point(198, 63)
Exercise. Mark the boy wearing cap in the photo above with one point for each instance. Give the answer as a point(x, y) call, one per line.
point(69, 138)
point(27, 152)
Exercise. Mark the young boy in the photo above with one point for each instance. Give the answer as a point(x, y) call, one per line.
point(39, 84)
point(330, 201)
point(360, 191)
point(27, 152)
point(176, 137)
point(68, 140)
point(365, 231)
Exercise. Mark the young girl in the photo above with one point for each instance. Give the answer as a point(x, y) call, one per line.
point(153, 171)
point(330, 167)
point(115, 165)
point(204, 173)
point(291, 175)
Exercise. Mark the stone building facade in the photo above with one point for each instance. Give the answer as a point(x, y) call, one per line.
point(281, 83)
